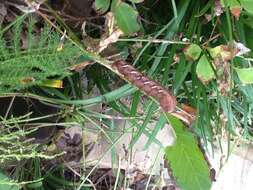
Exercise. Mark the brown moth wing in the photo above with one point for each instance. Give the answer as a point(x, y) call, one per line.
point(151, 88)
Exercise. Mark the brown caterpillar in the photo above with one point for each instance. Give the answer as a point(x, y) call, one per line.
point(151, 88)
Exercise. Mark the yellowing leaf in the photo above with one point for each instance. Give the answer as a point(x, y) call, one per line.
point(186, 160)
point(204, 70)
point(223, 51)
point(52, 83)
point(245, 75)
point(27, 80)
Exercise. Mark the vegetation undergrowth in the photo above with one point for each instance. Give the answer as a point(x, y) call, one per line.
point(62, 96)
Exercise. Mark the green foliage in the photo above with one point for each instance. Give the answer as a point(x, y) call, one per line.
point(204, 70)
point(13, 146)
point(186, 160)
point(22, 67)
point(126, 18)
point(125, 15)
point(193, 52)
point(166, 63)
point(6, 183)
point(102, 5)
point(247, 5)
point(245, 75)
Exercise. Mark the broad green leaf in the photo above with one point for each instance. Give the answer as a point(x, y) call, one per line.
point(204, 70)
point(247, 5)
point(245, 75)
point(186, 160)
point(126, 17)
point(102, 6)
point(6, 184)
point(192, 52)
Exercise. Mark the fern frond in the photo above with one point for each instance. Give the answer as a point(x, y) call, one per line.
point(21, 68)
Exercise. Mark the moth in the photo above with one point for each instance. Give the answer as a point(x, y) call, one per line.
point(151, 88)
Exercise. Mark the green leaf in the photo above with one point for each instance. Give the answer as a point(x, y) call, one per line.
point(247, 5)
point(245, 75)
point(230, 3)
point(186, 160)
point(136, 1)
point(204, 70)
point(193, 52)
point(102, 6)
point(126, 17)
point(6, 183)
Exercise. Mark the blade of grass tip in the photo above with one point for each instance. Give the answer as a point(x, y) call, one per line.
point(200, 116)
point(208, 5)
point(229, 23)
point(241, 31)
point(226, 107)
point(193, 23)
point(189, 97)
point(159, 125)
point(174, 8)
point(54, 92)
point(118, 174)
point(133, 111)
point(135, 103)
point(73, 87)
point(166, 27)
point(113, 151)
point(180, 74)
point(167, 64)
point(195, 84)
point(150, 42)
point(207, 128)
point(150, 110)
point(172, 28)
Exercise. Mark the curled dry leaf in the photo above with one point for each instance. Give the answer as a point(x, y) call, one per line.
point(80, 66)
point(109, 40)
point(187, 114)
